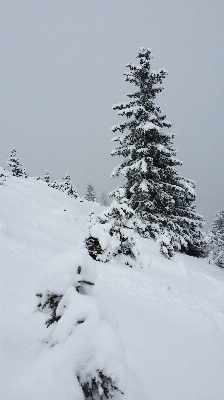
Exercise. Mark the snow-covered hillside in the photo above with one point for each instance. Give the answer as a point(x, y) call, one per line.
point(170, 314)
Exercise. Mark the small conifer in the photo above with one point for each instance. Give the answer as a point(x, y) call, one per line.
point(15, 166)
point(90, 194)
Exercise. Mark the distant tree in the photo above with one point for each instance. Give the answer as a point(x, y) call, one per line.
point(90, 194)
point(104, 199)
point(24, 173)
point(216, 240)
point(47, 178)
point(57, 184)
point(159, 196)
point(72, 191)
point(67, 182)
point(14, 165)
point(66, 186)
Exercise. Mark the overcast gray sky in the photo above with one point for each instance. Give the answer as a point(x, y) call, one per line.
point(62, 64)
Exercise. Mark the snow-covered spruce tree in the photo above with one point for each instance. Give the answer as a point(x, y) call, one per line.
point(90, 194)
point(216, 242)
point(112, 232)
point(160, 197)
point(15, 166)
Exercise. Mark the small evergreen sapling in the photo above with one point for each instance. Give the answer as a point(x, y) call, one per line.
point(69, 188)
point(78, 320)
point(111, 232)
point(49, 301)
point(93, 245)
point(15, 166)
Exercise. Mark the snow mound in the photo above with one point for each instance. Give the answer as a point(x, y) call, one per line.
point(63, 272)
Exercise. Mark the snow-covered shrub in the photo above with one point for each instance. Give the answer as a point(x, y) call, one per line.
point(112, 232)
point(166, 246)
point(99, 386)
point(216, 240)
point(69, 269)
point(15, 166)
point(98, 236)
point(123, 228)
point(90, 345)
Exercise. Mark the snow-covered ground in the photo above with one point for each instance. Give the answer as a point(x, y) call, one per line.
point(170, 314)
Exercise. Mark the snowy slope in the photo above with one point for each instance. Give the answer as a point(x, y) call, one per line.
point(170, 313)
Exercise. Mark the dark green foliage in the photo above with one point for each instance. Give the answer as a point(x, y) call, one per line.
point(52, 304)
point(98, 387)
point(93, 247)
point(52, 301)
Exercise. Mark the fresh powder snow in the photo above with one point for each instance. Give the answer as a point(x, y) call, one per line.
point(157, 327)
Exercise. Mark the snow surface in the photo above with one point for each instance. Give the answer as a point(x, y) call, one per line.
point(169, 314)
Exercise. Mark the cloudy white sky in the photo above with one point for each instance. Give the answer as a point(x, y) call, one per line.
point(62, 64)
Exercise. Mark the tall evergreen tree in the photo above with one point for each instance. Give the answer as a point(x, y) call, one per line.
point(14, 165)
point(160, 197)
point(90, 193)
point(216, 245)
